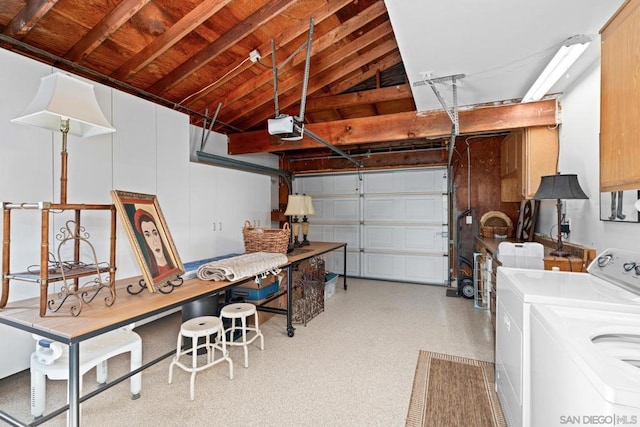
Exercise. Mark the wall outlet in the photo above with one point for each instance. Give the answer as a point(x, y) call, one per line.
point(469, 219)
point(565, 227)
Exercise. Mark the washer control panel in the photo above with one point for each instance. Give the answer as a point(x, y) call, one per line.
point(618, 266)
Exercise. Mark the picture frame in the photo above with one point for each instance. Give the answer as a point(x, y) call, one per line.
point(149, 237)
point(619, 206)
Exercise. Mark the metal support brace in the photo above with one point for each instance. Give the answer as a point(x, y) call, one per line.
point(305, 81)
point(316, 138)
point(453, 111)
point(205, 131)
point(455, 127)
point(275, 76)
point(305, 84)
point(230, 163)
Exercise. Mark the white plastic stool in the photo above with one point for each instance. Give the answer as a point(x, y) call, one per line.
point(201, 327)
point(241, 311)
point(51, 359)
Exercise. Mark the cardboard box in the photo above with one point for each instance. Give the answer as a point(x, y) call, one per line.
point(574, 264)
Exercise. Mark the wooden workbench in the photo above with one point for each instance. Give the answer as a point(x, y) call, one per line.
point(578, 260)
point(97, 319)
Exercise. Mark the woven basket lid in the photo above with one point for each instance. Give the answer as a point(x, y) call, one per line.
point(496, 219)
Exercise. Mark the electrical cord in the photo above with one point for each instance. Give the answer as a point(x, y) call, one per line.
point(216, 82)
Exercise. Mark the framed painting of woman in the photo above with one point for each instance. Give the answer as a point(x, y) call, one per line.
point(149, 237)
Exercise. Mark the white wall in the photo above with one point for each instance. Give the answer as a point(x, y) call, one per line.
point(579, 154)
point(149, 153)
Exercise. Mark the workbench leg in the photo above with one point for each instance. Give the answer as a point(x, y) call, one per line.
point(290, 328)
point(344, 273)
point(74, 385)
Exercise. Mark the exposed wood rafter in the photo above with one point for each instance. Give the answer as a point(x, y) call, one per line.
point(402, 126)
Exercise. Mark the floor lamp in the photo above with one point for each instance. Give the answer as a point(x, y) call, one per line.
point(559, 187)
point(66, 104)
point(69, 105)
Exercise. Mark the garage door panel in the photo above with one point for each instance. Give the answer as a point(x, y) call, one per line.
point(313, 185)
point(426, 180)
point(379, 209)
point(410, 181)
point(404, 238)
point(346, 209)
point(412, 268)
point(334, 261)
point(330, 184)
point(394, 222)
point(426, 269)
point(430, 239)
point(428, 208)
point(331, 210)
point(346, 184)
point(335, 233)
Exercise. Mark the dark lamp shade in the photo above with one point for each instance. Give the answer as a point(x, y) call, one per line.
point(560, 187)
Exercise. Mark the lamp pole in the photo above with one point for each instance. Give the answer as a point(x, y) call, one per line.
point(64, 128)
point(559, 251)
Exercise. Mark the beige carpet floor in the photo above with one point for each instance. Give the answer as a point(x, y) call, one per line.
point(453, 391)
point(352, 365)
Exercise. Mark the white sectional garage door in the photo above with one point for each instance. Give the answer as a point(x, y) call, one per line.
point(394, 222)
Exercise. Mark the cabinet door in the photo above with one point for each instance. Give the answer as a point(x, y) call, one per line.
point(619, 111)
point(540, 157)
point(536, 154)
point(203, 212)
point(223, 199)
point(511, 153)
point(511, 167)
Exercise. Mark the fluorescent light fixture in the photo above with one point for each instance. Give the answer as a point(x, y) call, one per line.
point(568, 53)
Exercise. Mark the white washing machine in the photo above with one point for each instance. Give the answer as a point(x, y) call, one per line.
point(611, 283)
point(584, 366)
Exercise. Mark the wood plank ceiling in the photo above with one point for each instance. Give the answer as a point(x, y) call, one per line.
point(193, 55)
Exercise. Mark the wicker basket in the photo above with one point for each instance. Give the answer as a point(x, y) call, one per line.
point(265, 239)
point(496, 224)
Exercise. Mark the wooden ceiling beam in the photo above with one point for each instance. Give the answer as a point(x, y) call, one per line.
point(335, 60)
point(28, 17)
point(372, 96)
point(222, 44)
point(173, 35)
point(104, 29)
point(286, 36)
point(378, 161)
point(402, 126)
point(358, 76)
point(322, 43)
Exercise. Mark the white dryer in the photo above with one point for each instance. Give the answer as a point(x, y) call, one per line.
point(612, 283)
point(584, 366)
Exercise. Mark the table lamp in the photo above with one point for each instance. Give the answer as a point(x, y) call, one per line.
point(295, 208)
point(69, 105)
point(308, 210)
point(559, 187)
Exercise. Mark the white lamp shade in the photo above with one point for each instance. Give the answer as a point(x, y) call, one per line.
point(308, 206)
point(295, 205)
point(63, 97)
